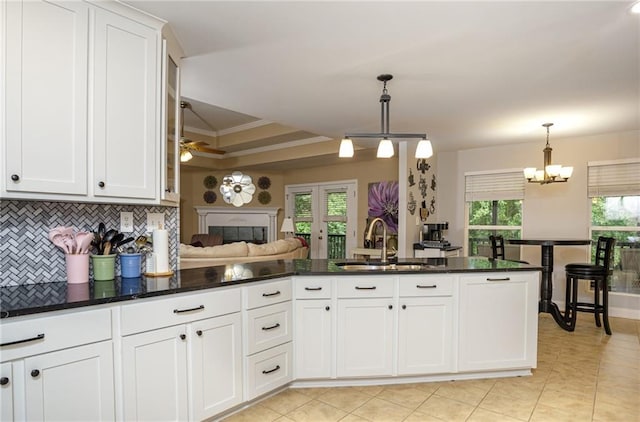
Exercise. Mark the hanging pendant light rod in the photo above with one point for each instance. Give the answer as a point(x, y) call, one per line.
point(385, 149)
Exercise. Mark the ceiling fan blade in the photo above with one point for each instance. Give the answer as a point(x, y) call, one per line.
point(207, 149)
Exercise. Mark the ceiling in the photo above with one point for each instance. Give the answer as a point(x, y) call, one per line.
point(469, 74)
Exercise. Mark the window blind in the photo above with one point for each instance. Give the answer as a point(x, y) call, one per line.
point(614, 179)
point(335, 206)
point(302, 211)
point(494, 186)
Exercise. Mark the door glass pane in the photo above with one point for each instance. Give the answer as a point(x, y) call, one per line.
point(336, 217)
point(303, 216)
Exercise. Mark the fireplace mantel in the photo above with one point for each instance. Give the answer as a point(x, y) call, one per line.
point(240, 217)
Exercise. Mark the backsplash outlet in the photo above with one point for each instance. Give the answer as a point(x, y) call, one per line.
point(28, 257)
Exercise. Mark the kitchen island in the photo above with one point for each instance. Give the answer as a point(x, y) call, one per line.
point(209, 341)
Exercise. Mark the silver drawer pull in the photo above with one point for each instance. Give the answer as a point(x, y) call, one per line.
point(433, 286)
point(313, 289)
point(276, 325)
point(197, 308)
point(271, 370)
point(365, 288)
point(271, 294)
point(499, 279)
point(26, 340)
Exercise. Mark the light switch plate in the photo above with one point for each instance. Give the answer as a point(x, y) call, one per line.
point(126, 222)
point(155, 220)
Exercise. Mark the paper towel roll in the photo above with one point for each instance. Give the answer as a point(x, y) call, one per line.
point(161, 250)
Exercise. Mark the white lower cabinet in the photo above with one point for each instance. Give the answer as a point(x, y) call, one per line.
point(365, 337)
point(57, 367)
point(267, 333)
point(425, 335)
point(154, 375)
point(313, 338)
point(498, 321)
point(188, 370)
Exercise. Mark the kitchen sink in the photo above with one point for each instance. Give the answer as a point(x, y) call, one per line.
point(354, 266)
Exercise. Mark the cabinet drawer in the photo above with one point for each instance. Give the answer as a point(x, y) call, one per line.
point(268, 370)
point(35, 335)
point(269, 293)
point(365, 286)
point(312, 287)
point(514, 276)
point(426, 285)
point(151, 314)
point(268, 326)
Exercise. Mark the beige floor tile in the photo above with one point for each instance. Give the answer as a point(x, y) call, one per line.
point(347, 399)
point(371, 390)
point(620, 398)
point(429, 387)
point(286, 401)
point(580, 406)
point(447, 409)
point(284, 419)
point(408, 397)
point(518, 391)
point(607, 412)
point(520, 408)
point(353, 418)
point(464, 393)
point(316, 411)
point(381, 410)
point(543, 413)
point(254, 413)
point(421, 417)
point(572, 386)
point(484, 415)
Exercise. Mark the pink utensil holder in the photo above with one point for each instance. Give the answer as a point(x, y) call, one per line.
point(77, 268)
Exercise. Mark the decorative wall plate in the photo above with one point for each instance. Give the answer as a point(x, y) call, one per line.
point(237, 189)
point(264, 197)
point(210, 182)
point(210, 197)
point(264, 182)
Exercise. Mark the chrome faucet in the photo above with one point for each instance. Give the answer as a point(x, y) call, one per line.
point(369, 237)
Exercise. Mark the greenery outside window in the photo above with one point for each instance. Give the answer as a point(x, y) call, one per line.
point(614, 190)
point(493, 207)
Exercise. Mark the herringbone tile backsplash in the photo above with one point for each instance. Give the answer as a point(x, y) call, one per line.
point(26, 254)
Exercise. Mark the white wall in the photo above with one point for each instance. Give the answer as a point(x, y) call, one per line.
point(558, 210)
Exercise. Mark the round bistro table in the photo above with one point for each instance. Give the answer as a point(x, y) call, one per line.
point(546, 285)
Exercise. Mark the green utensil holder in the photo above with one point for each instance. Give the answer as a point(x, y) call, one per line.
point(104, 267)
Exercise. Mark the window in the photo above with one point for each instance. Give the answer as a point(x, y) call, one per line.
point(614, 190)
point(493, 206)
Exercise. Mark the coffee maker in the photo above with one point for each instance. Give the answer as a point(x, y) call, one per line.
point(432, 235)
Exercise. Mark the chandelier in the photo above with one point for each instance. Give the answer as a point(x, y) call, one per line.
point(385, 146)
point(550, 173)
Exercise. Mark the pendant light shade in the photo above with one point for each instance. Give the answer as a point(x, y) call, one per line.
point(385, 149)
point(346, 148)
point(424, 149)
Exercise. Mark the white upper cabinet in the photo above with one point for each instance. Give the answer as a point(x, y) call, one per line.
point(46, 97)
point(125, 112)
point(83, 103)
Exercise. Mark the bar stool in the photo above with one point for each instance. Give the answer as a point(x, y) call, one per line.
point(599, 274)
point(497, 248)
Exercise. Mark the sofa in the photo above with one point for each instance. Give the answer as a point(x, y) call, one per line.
point(241, 252)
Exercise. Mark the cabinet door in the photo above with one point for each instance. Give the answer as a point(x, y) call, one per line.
point(46, 91)
point(71, 385)
point(313, 340)
point(498, 321)
point(216, 365)
point(425, 335)
point(125, 108)
point(6, 392)
point(154, 374)
point(365, 337)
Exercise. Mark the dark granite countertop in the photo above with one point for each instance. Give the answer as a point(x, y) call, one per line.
point(51, 296)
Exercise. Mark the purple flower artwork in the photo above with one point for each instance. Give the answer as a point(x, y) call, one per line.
point(383, 203)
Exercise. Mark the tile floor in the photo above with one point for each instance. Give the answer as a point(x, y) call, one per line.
point(581, 376)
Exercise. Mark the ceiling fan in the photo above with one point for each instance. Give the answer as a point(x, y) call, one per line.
point(187, 145)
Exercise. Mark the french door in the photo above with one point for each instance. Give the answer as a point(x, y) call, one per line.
point(325, 215)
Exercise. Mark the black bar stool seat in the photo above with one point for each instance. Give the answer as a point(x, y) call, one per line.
point(598, 273)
